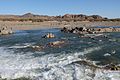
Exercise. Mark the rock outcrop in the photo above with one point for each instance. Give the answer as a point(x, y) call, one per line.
point(84, 30)
point(49, 35)
point(4, 30)
point(81, 17)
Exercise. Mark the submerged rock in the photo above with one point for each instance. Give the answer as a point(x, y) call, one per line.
point(36, 48)
point(83, 62)
point(93, 66)
point(56, 43)
point(112, 67)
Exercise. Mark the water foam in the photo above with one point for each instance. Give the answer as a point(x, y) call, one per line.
point(48, 66)
point(16, 65)
point(18, 46)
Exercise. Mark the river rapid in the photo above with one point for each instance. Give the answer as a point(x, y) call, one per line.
point(18, 59)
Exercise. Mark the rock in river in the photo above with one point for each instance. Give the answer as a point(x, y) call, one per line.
point(4, 30)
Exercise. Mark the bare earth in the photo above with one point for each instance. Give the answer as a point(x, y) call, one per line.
point(54, 24)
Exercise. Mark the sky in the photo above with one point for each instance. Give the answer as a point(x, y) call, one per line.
point(105, 8)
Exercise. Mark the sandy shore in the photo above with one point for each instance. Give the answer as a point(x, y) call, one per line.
point(53, 24)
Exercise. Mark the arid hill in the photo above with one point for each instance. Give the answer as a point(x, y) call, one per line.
point(66, 17)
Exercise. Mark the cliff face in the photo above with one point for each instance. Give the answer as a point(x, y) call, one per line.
point(66, 17)
point(81, 17)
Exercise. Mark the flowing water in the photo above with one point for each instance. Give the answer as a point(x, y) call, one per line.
point(17, 59)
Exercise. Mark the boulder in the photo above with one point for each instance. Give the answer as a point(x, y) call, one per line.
point(112, 67)
point(5, 30)
point(84, 30)
point(56, 43)
point(49, 35)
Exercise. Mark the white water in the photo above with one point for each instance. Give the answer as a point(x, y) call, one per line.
point(50, 67)
point(18, 46)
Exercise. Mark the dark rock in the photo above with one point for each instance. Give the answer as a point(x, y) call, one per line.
point(84, 30)
point(112, 67)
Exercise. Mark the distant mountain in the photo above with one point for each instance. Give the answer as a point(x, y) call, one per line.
point(30, 15)
point(66, 17)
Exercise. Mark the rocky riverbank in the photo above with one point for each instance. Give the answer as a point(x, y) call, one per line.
point(55, 24)
point(86, 30)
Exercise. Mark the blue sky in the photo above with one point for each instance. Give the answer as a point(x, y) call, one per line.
point(106, 8)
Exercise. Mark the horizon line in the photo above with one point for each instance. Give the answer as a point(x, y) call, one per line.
point(5, 14)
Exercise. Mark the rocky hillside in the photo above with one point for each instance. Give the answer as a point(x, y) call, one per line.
point(80, 17)
point(66, 17)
